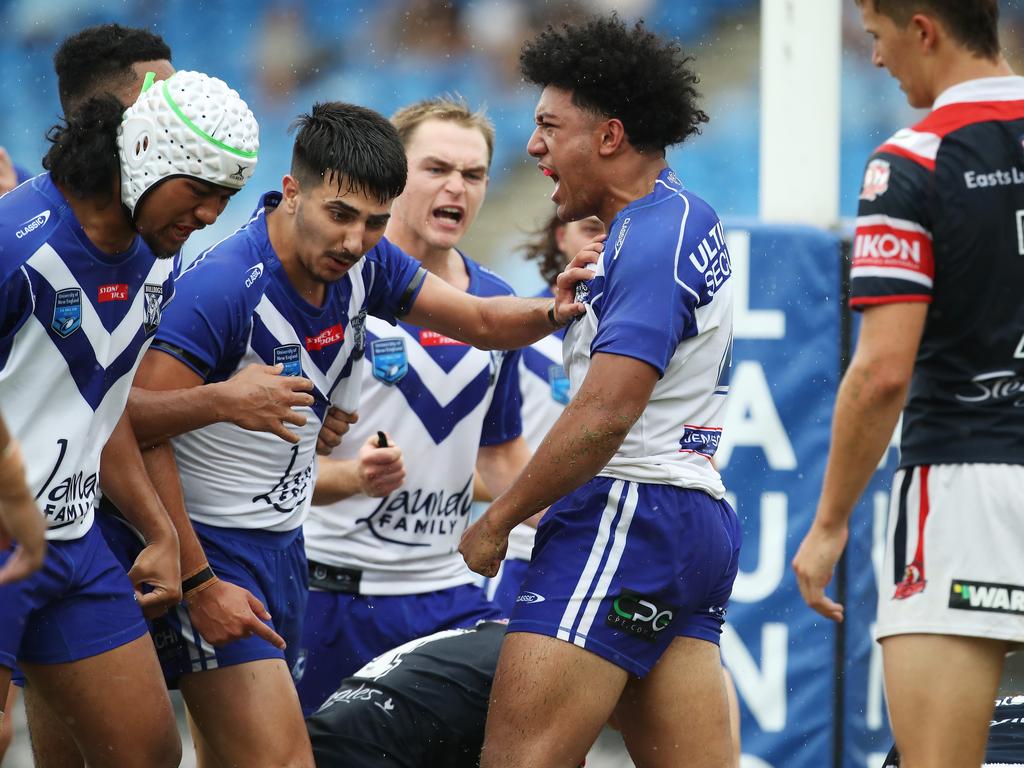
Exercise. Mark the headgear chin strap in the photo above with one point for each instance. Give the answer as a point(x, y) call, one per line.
point(190, 124)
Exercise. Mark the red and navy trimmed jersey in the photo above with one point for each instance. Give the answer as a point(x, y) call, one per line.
point(941, 221)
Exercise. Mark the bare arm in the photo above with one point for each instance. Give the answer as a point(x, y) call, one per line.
point(20, 519)
point(255, 398)
point(867, 408)
point(586, 435)
point(124, 481)
point(497, 466)
point(501, 322)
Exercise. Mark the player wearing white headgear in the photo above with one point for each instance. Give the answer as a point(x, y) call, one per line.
point(81, 294)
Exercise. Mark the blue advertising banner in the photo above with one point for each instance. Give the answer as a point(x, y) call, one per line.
point(809, 695)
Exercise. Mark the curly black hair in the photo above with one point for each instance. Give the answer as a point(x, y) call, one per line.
point(83, 148)
point(629, 74)
point(356, 145)
point(100, 58)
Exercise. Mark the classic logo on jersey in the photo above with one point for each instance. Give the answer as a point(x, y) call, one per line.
point(254, 275)
point(290, 357)
point(154, 298)
point(642, 616)
point(702, 440)
point(390, 361)
point(67, 312)
point(913, 582)
point(986, 596)
point(30, 226)
point(993, 387)
point(559, 382)
point(876, 180)
point(415, 518)
point(325, 338)
point(435, 339)
point(621, 238)
point(711, 260)
point(112, 292)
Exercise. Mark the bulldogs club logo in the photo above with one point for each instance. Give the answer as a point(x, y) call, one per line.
point(153, 301)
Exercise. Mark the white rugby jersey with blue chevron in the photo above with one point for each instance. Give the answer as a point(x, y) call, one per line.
point(237, 306)
point(74, 323)
point(662, 293)
point(440, 399)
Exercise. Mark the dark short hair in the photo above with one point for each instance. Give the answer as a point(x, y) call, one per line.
point(972, 23)
point(629, 74)
point(100, 58)
point(83, 148)
point(356, 145)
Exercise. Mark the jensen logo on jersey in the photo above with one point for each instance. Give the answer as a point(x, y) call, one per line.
point(151, 308)
point(112, 292)
point(986, 596)
point(325, 338)
point(390, 362)
point(290, 357)
point(435, 339)
point(702, 440)
point(67, 312)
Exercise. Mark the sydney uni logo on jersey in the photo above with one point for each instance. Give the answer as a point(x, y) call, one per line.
point(420, 519)
point(67, 312)
point(639, 615)
point(30, 226)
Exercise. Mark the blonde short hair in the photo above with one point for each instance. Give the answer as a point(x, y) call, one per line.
point(450, 108)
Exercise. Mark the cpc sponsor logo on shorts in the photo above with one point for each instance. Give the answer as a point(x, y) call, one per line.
point(30, 226)
point(639, 615)
point(876, 180)
point(986, 596)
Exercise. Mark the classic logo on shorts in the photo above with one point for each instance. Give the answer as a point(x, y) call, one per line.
point(559, 384)
point(67, 312)
point(390, 362)
point(290, 357)
point(642, 616)
point(529, 597)
point(876, 180)
point(986, 596)
point(154, 297)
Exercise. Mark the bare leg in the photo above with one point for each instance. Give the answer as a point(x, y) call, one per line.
point(53, 746)
point(248, 716)
point(734, 716)
point(115, 705)
point(537, 716)
point(940, 690)
point(6, 709)
point(205, 758)
point(679, 713)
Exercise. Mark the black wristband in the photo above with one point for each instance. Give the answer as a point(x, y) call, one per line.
point(197, 580)
point(551, 317)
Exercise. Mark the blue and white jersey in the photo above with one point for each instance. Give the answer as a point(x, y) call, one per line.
point(661, 294)
point(74, 323)
point(545, 391)
point(238, 307)
point(440, 399)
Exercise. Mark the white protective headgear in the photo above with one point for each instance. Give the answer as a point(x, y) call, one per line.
point(190, 124)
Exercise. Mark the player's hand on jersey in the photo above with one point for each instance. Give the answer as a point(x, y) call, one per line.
point(8, 176)
point(484, 545)
point(336, 424)
point(380, 470)
point(159, 568)
point(814, 563)
point(20, 521)
point(578, 270)
point(225, 612)
point(260, 399)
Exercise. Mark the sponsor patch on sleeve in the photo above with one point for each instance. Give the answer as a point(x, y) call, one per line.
point(893, 248)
